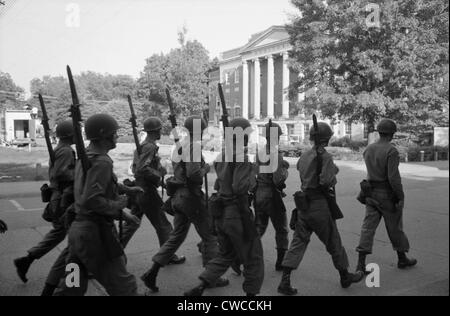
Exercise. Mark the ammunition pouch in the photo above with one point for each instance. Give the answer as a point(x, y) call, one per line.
point(46, 193)
point(301, 201)
point(173, 185)
point(366, 191)
point(47, 215)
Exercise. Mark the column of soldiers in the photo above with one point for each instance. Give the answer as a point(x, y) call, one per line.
point(85, 206)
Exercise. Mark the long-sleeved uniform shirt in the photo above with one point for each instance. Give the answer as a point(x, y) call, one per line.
point(382, 160)
point(276, 178)
point(96, 193)
point(147, 165)
point(61, 173)
point(188, 170)
point(307, 167)
point(235, 178)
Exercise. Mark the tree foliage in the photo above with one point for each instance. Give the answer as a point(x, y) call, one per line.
point(9, 92)
point(358, 72)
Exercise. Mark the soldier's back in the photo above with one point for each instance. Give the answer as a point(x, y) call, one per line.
point(376, 160)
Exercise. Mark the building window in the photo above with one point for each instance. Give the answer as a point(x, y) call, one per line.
point(237, 111)
point(366, 131)
point(229, 112)
point(227, 78)
point(290, 129)
point(236, 76)
point(306, 129)
point(348, 128)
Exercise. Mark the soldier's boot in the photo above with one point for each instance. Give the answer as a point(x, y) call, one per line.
point(48, 290)
point(220, 282)
point(177, 259)
point(149, 277)
point(348, 278)
point(405, 262)
point(285, 285)
point(196, 291)
point(280, 257)
point(361, 266)
point(22, 266)
point(236, 266)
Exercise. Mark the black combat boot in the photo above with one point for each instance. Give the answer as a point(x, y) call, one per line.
point(177, 259)
point(280, 257)
point(404, 262)
point(220, 282)
point(149, 277)
point(197, 291)
point(348, 278)
point(285, 285)
point(362, 263)
point(48, 290)
point(22, 266)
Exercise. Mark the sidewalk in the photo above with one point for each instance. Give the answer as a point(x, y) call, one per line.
point(20, 189)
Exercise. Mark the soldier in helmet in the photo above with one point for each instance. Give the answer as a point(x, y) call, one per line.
point(316, 216)
point(269, 193)
point(61, 175)
point(149, 173)
point(382, 161)
point(188, 204)
point(93, 243)
point(234, 221)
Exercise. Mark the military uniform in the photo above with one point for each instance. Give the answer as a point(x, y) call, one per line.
point(61, 175)
point(382, 161)
point(317, 219)
point(233, 184)
point(148, 173)
point(189, 207)
point(93, 239)
point(269, 204)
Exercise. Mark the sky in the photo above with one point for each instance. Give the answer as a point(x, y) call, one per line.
point(40, 38)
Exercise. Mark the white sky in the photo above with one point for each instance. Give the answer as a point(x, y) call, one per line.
point(116, 36)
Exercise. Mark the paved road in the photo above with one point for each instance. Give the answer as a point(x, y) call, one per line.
point(426, 223)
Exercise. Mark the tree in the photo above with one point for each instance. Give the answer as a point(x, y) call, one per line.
point(357, 72)
point(183, 70)
point(9, 92)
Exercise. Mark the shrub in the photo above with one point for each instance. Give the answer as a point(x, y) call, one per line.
point(347, 142)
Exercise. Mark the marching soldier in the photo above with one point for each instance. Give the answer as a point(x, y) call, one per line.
point(234, 222)
point(149, 173)
point(314, 215)
point(189, 207)
point(61, 175)
point(269, 198)
point(382, 161)
point(93, 240)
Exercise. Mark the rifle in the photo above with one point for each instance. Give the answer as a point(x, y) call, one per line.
point(47, 130)
point(206, 175)
point(330, 193)
point(224, 118)
point(134, 126)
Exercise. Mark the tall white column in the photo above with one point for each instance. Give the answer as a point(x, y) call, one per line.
point(285, 86)
point(245, 89)
point(257, 89)
point(270, 86)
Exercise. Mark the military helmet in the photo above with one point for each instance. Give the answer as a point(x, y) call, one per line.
point(64, 129)
point(100, 126)
point(152, 124)
point(189, 123)
point(240, 122)
point(273, 125)
point(387, 126)
point(325, 132)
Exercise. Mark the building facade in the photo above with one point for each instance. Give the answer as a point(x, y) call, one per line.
point(256, 79)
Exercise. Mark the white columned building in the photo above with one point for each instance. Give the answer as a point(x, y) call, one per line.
point(256, 79)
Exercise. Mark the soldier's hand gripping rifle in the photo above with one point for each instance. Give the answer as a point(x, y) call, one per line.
point(329, 192)
point(47, 130)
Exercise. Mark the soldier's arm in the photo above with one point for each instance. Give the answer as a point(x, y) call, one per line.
point(394, 177)
point(281, 174)
point(329, 171)
point(148, 155)
point(98, 178)
point(244, 178)
point(195, 172)
point(64, 165)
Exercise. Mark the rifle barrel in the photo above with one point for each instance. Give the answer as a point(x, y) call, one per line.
point(47, 129)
